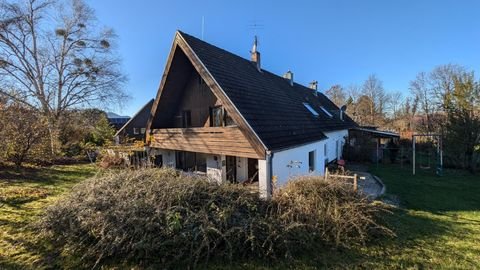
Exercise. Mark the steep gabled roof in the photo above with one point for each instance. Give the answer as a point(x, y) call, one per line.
point(145, 109)
point(272, 108)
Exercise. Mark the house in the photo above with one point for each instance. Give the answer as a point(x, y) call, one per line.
point(224, 116)
point(135, 127)
point(117, 121)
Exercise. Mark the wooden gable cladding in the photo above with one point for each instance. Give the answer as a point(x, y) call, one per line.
point(163, 99)
point(210, 140)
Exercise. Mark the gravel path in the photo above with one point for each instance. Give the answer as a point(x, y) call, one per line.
point(370, 184)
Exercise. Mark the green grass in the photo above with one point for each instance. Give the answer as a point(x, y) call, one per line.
point(437, 227)
point(437, 224)
point(23, 196)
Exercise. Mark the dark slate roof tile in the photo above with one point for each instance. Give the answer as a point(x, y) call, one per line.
point(272, 107)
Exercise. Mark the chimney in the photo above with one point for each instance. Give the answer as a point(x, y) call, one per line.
point(313, 85)
point(255, 55)
point(289, 77)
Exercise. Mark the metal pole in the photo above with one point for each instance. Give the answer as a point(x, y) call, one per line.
point(413, 153)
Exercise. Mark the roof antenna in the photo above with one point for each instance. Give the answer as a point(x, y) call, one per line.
point(203, 26)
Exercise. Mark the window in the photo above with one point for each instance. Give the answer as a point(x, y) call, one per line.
point(186, 119)
point(228, 119)
point(326, 112)
point(315, 113)
point(142, 130)
point(216, 116)
point(311, 161)
point(325, 153)
point(136, 131)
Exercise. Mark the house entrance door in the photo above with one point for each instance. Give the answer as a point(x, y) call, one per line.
point(231, 167)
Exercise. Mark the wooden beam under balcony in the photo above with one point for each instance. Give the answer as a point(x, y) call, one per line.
point(210, 140)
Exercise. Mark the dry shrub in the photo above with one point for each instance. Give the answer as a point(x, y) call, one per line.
point(328, 212)
point(160, 217)
point(111, 161)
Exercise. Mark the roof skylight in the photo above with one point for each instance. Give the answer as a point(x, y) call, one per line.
point(315, 113)
point(326, 112)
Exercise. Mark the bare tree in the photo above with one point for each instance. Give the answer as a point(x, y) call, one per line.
point(376, 99)
point(54, 58)
point(442, 84)
point(337, 94)
point(422, 91)
point(395, 103)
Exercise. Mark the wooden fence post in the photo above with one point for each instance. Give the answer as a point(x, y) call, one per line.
point(355, 176)
point(326, 173)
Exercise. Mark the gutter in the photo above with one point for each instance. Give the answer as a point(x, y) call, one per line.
point(269, 171)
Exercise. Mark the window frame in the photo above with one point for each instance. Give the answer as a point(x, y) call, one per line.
point(311, 109)
point(325, 111)
point(186, 121)
point(311, 161)
point(220, 118)
point(136, 131)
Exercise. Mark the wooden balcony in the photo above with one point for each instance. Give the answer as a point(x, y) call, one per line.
point(210, 140)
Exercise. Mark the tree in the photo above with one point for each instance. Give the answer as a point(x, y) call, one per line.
point(22, 131)
point(423, 93)
point(54, 58)
point(82, 128)
point(337, 94)
point(462, 134)
point(395, 103)
point(431, 91)
point(376, 99)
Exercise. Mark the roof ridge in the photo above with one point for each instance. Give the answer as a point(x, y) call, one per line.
point(245, 59)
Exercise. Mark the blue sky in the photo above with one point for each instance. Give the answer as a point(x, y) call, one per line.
point(333, 42)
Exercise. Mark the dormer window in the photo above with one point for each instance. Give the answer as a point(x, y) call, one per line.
point(326, 112)
point(315, 113)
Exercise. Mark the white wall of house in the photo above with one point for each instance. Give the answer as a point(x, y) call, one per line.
point(335, 142)
point(168, 156)
point(294, 162)
point(214, 168)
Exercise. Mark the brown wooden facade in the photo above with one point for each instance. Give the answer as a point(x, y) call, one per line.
point(187, 86)
point(211, 140)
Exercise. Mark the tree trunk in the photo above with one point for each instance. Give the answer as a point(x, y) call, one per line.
point(54, 134)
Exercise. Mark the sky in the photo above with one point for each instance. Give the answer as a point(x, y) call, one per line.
point(333, 42)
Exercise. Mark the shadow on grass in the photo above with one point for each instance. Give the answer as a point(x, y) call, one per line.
point(378, 253)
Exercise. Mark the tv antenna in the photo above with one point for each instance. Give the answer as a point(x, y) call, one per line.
point(203, 26)
point(255, 25)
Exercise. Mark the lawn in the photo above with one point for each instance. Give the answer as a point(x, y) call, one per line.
point(23, 195)
point(437, 224)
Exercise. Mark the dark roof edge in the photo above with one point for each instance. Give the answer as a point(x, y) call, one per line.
point(229, 100)
point(135, 115)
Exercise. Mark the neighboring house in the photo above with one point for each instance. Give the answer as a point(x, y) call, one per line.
point(222, 115)
point(117, 121)
point(135, 128)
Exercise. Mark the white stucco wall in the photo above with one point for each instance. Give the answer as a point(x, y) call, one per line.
point(214, 168)
point(168, 156)
point(294, 162)
point(333, 137)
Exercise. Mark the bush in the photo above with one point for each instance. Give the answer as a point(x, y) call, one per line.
point(159, 216)
point(108, 161)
